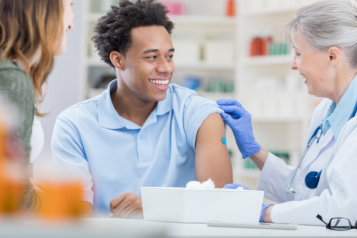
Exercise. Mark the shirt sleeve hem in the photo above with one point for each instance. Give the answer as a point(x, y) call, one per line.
point(88, 197)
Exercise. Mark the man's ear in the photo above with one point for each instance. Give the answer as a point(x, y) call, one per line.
point(118, 60)
point(334, 55)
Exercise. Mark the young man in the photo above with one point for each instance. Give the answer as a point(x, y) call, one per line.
point(141, 131)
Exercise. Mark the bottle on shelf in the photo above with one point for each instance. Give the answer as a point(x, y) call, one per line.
point(263, 44)
point(267, 40)
point(230, 8)
point(256, 44)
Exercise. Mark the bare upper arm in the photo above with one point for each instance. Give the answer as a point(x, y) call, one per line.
point(212, 158)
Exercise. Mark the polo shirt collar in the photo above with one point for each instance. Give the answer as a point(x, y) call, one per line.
point(338, 115)
point(109, 118)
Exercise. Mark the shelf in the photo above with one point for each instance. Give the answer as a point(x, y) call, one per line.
point(209, 20)
point(216, 96)
point(272, 11)
point(277, 119)
point(268, 60)
point(186, 19)
point(95, 62)
point(205, 66)
point(247, 173)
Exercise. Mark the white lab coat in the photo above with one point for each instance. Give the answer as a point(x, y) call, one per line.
point(336, 194)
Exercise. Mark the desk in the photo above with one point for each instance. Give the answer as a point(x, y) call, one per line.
point(108, 228)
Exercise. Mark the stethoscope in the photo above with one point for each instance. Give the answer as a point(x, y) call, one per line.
point(312, 179)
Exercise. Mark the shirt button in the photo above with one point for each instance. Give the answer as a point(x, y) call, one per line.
point(141, 138)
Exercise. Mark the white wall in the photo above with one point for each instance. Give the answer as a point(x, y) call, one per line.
point(63, 84)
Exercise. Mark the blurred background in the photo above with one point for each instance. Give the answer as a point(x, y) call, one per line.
point(223, 49)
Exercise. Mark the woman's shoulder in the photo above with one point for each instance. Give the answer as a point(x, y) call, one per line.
point(9, 68)
point(14, 79)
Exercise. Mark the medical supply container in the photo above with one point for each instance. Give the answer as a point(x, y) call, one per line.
point(201, 206)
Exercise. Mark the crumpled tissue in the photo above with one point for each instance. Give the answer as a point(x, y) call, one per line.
point(195, 185)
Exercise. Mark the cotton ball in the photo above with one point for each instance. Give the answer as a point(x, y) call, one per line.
point(194, 185)
point(240, 189)
point(209, 184)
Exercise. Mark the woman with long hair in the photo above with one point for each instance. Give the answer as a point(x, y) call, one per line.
point(31, 34)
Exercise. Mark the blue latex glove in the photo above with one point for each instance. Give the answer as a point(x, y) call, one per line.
point(235, 186)
point(240, 121)
point(263, 210)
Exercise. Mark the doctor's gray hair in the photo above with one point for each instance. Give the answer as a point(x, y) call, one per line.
point(325, 24)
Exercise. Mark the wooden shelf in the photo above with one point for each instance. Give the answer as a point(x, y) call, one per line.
point(268, 60)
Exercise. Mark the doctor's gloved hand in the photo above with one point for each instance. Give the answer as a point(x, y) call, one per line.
point(240, 121)
point(127, 205)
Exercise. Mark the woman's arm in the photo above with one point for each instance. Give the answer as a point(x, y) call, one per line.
point(260, 158)
point(17, 90)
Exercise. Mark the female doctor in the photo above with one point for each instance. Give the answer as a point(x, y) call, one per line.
point(324, 37)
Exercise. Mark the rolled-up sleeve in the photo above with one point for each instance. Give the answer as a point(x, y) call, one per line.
point(197, 109)
point(69, 155)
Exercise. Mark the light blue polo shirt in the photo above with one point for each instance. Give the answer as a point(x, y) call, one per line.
point(113, 155)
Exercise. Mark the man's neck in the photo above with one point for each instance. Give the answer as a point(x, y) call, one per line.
point(130, 107)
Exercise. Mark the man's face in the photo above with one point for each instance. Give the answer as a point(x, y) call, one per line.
point(148, 65)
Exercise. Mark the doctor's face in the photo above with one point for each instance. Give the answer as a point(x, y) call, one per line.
point(313, 66)
point(148, 63)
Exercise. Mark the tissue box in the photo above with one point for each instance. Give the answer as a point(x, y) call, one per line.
point(201, 206)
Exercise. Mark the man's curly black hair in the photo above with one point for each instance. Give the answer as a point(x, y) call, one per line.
point(113, 31)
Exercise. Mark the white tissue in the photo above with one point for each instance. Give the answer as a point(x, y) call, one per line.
point(240, 189)
point(195, 185)
point(209, 184)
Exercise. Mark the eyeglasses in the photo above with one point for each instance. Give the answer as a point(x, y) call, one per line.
point(338, 223)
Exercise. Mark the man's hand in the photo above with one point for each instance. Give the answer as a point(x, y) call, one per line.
point(127, 205)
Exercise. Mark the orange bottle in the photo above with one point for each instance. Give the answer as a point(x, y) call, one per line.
point(230, 8)
point(61, 201)
point(10, 188)
point(267, 40)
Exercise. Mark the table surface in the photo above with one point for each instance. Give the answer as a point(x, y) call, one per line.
point(104, 227)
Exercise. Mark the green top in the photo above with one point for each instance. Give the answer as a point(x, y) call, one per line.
point(16, 88)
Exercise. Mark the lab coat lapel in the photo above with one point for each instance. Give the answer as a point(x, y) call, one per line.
point(321, 146)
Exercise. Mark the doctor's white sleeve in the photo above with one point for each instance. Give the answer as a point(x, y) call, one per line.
point(68, 155)
point(340, 200)
point(275, 178)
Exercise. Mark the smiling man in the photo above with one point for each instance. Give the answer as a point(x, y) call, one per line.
point(141, 131)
